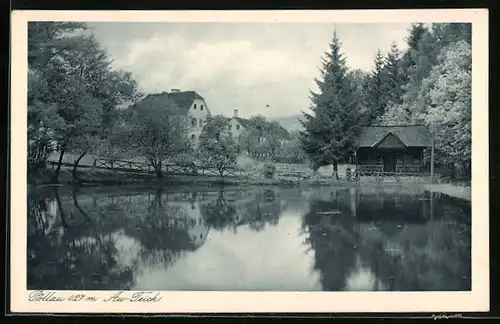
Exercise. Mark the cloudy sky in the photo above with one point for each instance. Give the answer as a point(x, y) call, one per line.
point(240, 66)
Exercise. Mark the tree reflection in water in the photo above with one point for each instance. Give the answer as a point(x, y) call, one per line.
point(330, 234)
point(361, 240)
point(69, 255)
point(405, 242)
point(80, 243)
point(163, 234)
point(261, 208)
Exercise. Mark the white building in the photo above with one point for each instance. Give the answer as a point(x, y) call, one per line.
point(193, 104)
point(236, 125)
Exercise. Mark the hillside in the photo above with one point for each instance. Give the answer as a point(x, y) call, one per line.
point(290, 123)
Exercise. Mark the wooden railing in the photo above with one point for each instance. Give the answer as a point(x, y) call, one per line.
point(377, 170)
point(168, 169)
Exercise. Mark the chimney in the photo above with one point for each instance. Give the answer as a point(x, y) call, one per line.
point(235, 113)
point(175, 90)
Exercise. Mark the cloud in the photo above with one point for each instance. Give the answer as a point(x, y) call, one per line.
point(240, 66)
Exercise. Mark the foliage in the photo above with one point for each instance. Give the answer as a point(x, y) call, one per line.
point(156, 130)
point(263, 138)
point(437, 88)
point(72, 75)
point(214, 127)
point(269, 170)
point(377, 96)
point(292, 151)
point(217, 148)
point(393, 76)
point(449, 96)
point(330, 131)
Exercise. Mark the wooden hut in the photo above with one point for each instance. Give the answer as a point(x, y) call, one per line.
point(393, 150)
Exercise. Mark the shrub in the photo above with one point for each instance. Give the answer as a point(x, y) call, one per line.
point(269, 170)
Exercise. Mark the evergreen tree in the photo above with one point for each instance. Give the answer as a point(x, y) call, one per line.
point(377, 95)
point(360, 80)
point(417, 63)
point(408, 60)
point(330, 131)
point(394, 76)
point(451, 33)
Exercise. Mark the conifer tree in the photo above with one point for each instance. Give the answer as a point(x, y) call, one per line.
point(376, 99)
point(330, 131)
point(394, 77)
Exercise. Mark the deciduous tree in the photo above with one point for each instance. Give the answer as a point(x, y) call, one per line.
point(217, 147)
point(157, 129)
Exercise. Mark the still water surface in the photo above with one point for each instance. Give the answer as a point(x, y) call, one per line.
point(248, 239)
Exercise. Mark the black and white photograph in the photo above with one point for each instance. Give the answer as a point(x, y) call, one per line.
point(251, 156)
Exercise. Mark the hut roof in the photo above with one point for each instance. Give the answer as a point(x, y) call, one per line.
point(409, 135)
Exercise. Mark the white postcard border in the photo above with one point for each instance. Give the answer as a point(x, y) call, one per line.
point(180, 302)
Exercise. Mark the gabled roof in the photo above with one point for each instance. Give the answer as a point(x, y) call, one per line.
point(243, 122)
point(410, 135)
point(184, 99)
point(389, 136)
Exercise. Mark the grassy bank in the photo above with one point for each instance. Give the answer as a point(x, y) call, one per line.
point(88, 177)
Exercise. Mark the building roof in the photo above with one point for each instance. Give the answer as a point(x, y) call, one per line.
point(410, 135)
point(184, 99)
point(243, 122)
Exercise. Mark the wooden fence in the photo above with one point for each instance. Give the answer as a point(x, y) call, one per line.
point(296, 173)
point(168, 169)
point(376, 171)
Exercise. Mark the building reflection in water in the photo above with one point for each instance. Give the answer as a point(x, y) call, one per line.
point(361, 238)
point(104, 241)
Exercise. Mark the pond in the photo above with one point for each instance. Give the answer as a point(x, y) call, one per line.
point(251, 239)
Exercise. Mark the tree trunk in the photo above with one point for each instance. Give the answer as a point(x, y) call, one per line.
point(452, 167)
point(159, 172)
point(335, 170)
point(61, 211)
point(58, 169)
point(221, 172)
point(77, 205)
point(75, 165)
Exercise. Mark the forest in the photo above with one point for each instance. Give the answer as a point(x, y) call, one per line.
point(429, 83)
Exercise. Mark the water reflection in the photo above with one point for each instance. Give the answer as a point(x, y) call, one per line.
point(254, 239)
point(391, 240)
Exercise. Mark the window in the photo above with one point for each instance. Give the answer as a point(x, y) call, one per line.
point(195, 107)
point(229, 127)
point(201, 107)
point(201, 122)
point(238, 127)
point(192, 136)
point(193, 122)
